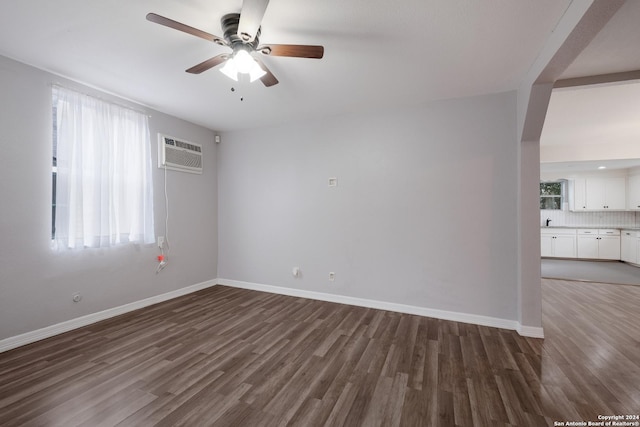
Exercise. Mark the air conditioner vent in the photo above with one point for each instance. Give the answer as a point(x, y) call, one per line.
point(179, 155)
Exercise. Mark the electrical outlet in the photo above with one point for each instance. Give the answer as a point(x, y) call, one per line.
point(332, 276)
point(160, 241)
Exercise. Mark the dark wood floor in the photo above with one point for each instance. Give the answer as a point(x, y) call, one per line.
point(225, 356)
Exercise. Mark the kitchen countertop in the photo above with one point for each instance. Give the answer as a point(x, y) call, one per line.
point(598, 227)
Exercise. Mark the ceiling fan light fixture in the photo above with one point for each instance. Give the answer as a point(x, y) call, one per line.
point(230, 70)
point(256, 72)
point(243, 61)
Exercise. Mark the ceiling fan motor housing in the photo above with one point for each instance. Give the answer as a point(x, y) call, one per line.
point(229, 24)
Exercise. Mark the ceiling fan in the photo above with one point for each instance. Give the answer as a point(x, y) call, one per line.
point(241, 34)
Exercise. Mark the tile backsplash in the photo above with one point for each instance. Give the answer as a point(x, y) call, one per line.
point(618, 219)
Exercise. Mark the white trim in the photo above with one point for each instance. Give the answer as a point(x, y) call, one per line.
point(530, 331)
point(390, 306)
point(59, 328)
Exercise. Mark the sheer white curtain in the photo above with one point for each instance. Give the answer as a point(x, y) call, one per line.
point(104, 191)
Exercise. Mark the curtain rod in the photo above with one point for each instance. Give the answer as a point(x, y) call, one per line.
point(91, 95)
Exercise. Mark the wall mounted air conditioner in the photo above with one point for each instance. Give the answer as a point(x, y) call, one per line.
point(179, 155)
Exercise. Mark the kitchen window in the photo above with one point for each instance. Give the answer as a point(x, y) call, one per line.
point(552, 194)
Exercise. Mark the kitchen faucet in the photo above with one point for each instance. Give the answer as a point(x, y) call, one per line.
point(548, 221)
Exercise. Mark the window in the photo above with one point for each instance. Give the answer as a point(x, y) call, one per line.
point(552, 194)
point(102, 188)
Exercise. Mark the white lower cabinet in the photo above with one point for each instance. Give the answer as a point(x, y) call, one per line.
point(565, 246)
point(560, 243)
point(630, 246)
point(609, 247)
point(599, 244)
point(588, 246)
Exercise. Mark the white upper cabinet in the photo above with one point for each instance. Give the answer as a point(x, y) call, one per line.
point(606, 193)
point(579, 198)
point(633, 200)
point(597, 194)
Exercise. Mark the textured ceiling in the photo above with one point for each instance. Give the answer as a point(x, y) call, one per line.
point(378, 54)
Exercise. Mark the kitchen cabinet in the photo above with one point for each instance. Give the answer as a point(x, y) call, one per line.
point(606, 193)
point(598, 244)
point(559, 243)
point(597, 194)
point(609, 247)
point(579, 200)
point(633, 198)
point(630, 246)
point(588, 245)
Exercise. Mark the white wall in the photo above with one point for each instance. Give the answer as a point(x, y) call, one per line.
point(608, 150)
point(36, 283)
point(592, 122)
point(424, 214)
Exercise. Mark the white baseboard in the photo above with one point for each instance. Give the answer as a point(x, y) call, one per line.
point(530, 331)
point(389, 306)
point(59, 328)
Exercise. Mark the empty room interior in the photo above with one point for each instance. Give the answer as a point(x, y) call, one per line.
point(254, 212)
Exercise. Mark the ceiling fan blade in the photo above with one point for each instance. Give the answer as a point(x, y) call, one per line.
point(268, 79)
point(294, 50)
point(184, 28)
point(208, 64)
point(250, 18)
